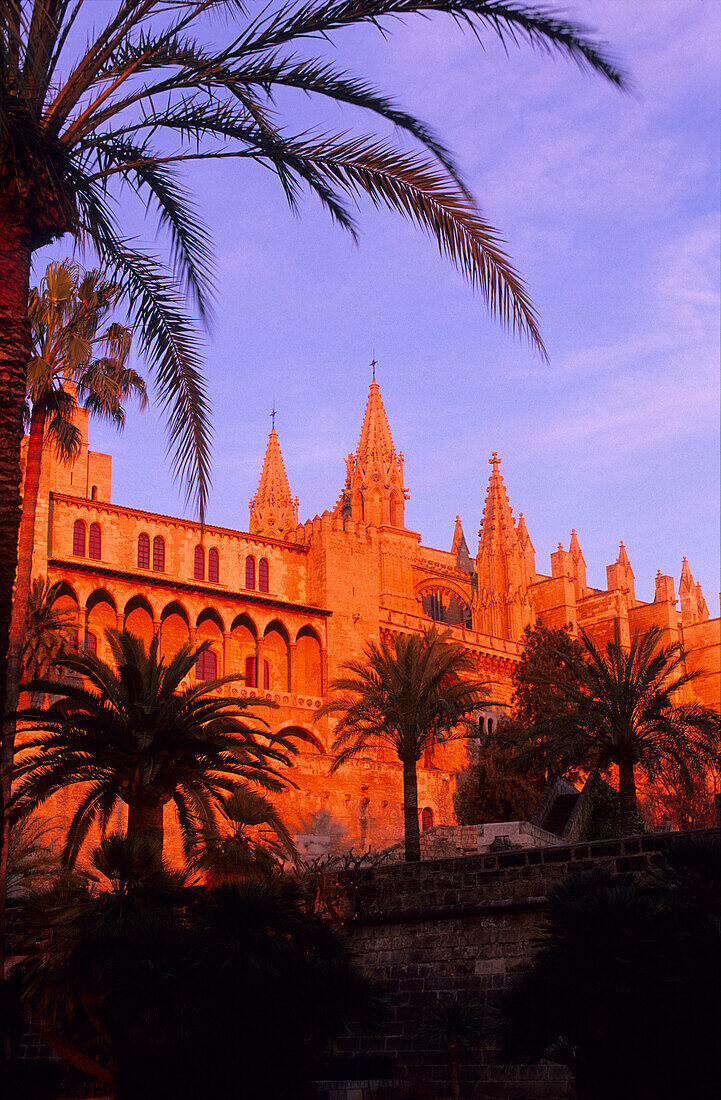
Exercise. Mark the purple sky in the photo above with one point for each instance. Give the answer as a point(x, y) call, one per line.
point(610, 207)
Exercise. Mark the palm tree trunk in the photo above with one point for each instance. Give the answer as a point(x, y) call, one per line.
point(145, 821)
point(410, 812)
point(627, 798)
point(14, 353)
point(26, 540)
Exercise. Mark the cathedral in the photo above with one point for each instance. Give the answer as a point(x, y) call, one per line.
point(286, 604)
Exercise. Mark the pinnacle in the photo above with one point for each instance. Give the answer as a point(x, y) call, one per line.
point(458, 537)
point(272, 509)
point(497, 525)
point(523, 536)
point(575, 547)
point(686, 580)
point(375, 438)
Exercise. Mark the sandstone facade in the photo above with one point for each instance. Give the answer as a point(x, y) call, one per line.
point(287, 604)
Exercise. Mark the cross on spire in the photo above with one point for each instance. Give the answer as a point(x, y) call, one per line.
point(272, 416)
point(495, 460)
point(374, 364)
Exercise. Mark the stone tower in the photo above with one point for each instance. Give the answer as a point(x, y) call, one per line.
point(505, 565)
point(374, 492)
point(273, 510)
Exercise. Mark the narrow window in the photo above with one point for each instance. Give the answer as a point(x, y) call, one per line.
point(266, 675)
point(91, 643)
point(94, 544)
point(79, 539)
point(159, 554)
point(426, 818)
point(213, 566)
point(94, 493)
point(143, 551)
point(250, 672)
point(199, 564)
point(490, 725)
point(250, 572)
point(428, 753)
point(206, 667)
point(263, 575)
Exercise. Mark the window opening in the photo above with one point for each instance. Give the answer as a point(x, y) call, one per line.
point(143, 552)
point(213, 566)
point(79, 539)
point(206, 667)
point(199, 564)
point(158, 554)
point(94, 543)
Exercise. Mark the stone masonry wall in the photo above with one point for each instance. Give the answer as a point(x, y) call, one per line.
point(467, 925)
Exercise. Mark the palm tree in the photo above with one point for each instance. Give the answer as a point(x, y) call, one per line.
point(252, 841)
point(132, 735)
point(32, 855)
point(78, 123)
point(626, 714)
point(48, 631)
point(71, 358)
point(409, 693)
point(456, 1024)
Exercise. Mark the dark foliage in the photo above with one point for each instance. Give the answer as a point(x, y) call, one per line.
point(625, 987)
point(180, 991)
point(497, 786)
point(602, 813)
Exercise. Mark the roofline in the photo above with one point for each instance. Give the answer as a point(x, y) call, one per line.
point(64, 498)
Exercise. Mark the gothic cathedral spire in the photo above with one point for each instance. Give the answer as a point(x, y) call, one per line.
point(273, 510)
point(374, 490)
point(505, 565)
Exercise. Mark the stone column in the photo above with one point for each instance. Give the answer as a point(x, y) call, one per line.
point(292, 669)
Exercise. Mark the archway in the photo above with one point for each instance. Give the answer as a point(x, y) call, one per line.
point(101, 615)
point(276, 653)
point(308, 671)
point(210, 629)
point(139, 618)
point(174, 629)
point(242, 647)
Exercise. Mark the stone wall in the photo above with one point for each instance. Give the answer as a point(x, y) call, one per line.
point(467, 925)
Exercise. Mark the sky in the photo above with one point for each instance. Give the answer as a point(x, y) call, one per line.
point(609, 204)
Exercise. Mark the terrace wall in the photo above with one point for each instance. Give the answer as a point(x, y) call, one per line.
point(467, 925)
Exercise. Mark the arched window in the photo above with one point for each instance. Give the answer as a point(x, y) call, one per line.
point(94, 544)
point(446, 607)
point(213, 566)
point(199, 564)
point(79, 539)
point(263, 575)
point(266, 675)
point(91, 643)
point(250, 572)
point(158, 554)
point(143, 551)
point(426, 818)
point(206, 667)
point(250, 672)
point(490, 725)
point(94, 493)
point(428, 753)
